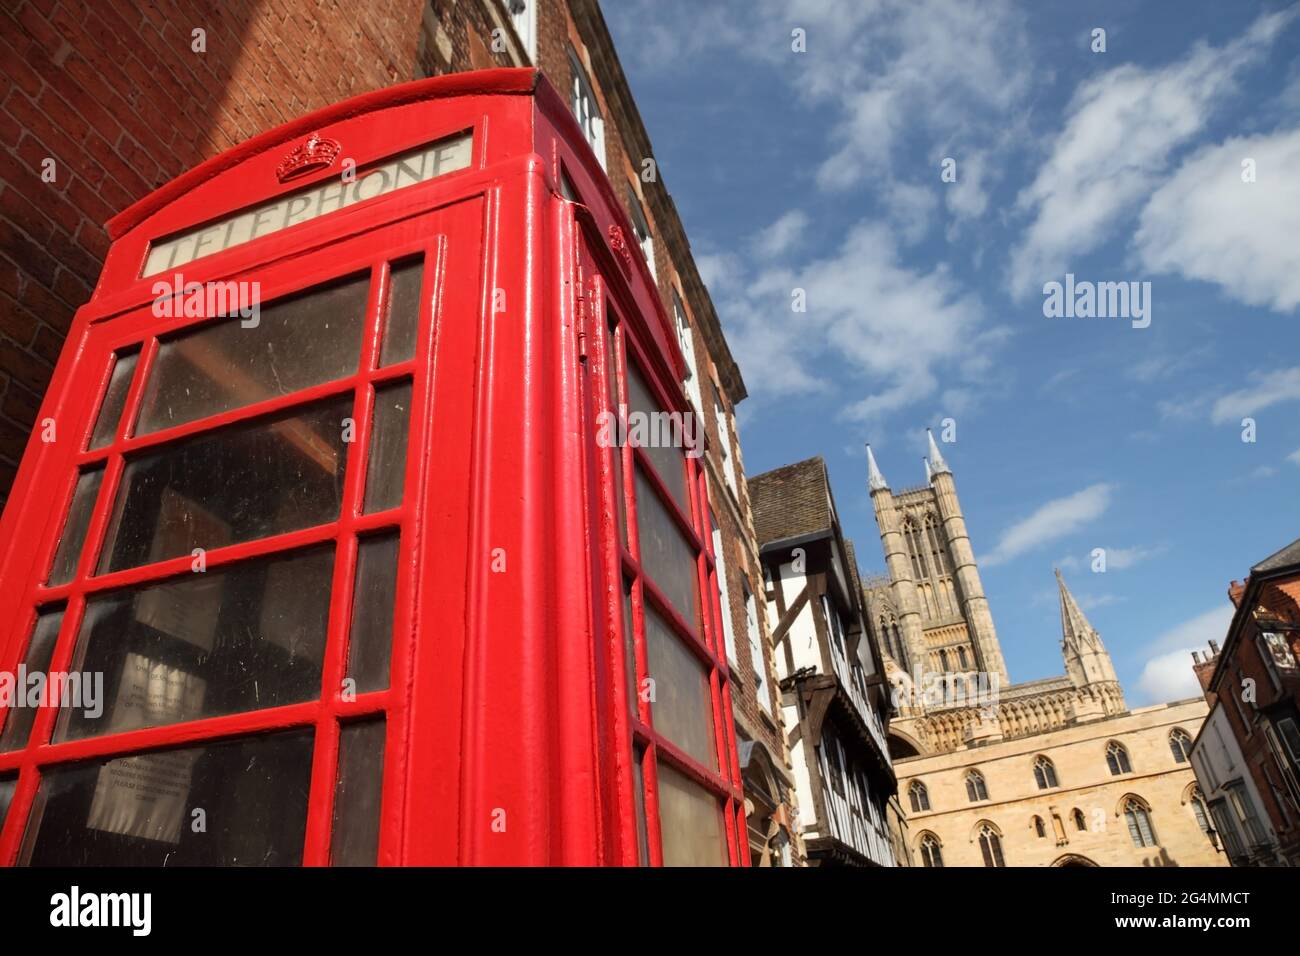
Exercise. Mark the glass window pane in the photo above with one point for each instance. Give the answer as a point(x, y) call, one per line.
point(690, 821)
point(242, 637)
point(110, 413)
point(611, 365)
point(638, 796)
point(294, 343)
point(74, 530)
point(371, 646)
point(629, 647)
point(665, 553)
point(142, 810)
point(402, 325)
point(663, 435)
point(8, 784)
point(247, 481)
point(358, 794)
point(19, 720)
point(683, 705)
point(386, 474)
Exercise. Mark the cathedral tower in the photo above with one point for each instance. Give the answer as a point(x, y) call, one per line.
point(1087, 662)
point(935, 586)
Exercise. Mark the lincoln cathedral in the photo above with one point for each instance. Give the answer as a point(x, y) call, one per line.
point(1057, 771)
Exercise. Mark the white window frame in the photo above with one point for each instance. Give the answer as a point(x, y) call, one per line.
point(523, 16)
point(686, 339)
point(728, 628)
point(724, 447)
point(756, 647)
point(641, 227)
point(582, 100)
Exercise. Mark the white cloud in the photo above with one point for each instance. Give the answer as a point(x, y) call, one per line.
point(1205, 223)
point(1269, 388)
point(1053, 520)
point(1167, 674)
point(1294, 456)
point(782, 236)
point(1117, 559)
point(1122, 129)
point(900, 331)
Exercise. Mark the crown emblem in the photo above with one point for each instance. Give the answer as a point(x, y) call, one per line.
point(315, 153)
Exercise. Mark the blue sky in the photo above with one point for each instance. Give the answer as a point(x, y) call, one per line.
point(821, 171)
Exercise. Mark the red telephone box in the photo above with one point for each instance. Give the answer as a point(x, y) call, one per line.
point(321, 500)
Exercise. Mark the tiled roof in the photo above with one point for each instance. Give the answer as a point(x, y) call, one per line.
point(790, 501)
point(1287, 556)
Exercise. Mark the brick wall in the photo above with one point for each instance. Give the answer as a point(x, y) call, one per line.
point(114, 94)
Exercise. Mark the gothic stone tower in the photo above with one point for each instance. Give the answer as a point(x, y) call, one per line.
point(942, 614)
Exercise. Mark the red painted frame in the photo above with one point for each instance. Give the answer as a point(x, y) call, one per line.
point(512, 677)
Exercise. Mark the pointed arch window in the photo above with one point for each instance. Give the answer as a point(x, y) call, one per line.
point(1117, 759)
point(1180, 744)
point(976, 790)
point(1197, 802)
point(913, 535)
point(1045, 774)
point(1079, 822)
point(931, 850)
point(919, 797)
point(938, 552)
point(1138, 818)
point(991, 846)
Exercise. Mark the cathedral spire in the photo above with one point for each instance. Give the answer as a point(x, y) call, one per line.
point(936, 464)
point(875, 480)
point(1086, 659)
point(1076, 631)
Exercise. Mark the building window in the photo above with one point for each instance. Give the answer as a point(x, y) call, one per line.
point(834, 626)
point(1139, 823)
point(919, 796)
point(943, 660)
point(913, 536)
point(961, 658)
point(1180, 744)
point(1045, 774)
point(991, 846)
point(931, 851)
point(1117, 759)
point(641, 227)
point(523, 16)
point(724, 446)
point(1039, 828)
point(755, 647)
point(1079, 823)
point(583, 103)
point(724, 599)
point(938, 553)
point(975, 788)
point(1197, 802)
point(686, 340)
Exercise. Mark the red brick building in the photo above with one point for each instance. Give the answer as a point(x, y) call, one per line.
point(106, 101)
point(1255, 680)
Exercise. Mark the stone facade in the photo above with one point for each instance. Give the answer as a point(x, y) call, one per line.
point(1052, 771)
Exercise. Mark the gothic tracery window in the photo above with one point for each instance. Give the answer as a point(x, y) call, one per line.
point(976, 790)
point(919, 796)
point(1045, 773)
point(931, 852)
point(991, 846)
point(938, 552)
point(1138, 819)
point(1180, 744)
point(1197, 802)
point(1117, 759)
point(913, 536)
